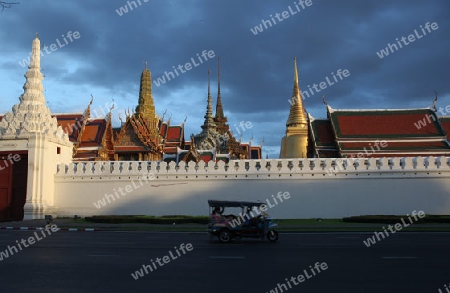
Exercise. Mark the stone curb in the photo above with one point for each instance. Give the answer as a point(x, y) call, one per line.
point(59, 229)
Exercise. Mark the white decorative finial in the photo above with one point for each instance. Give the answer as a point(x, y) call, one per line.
point(32, 115)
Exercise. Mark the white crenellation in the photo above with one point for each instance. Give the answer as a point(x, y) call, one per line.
point(420, 164)
point(391, 162)
point(191, 167)
point(220, 166)
point(409, 163)
point(134, 168)
point(114, 168)
point(403, 163)
point(262, 168)
point(162, 167)
point(426, 163)
point(173, 167)
point(366, 163)
point(438, 162)
point(202, 167)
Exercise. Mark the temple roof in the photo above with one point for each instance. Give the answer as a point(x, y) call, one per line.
point(136, 135)
point(385, 124)
point(175, 133)
point(322, 136)
point(163, 127)
point(255, 152)
point(171, 150)
point(445, 122)
point(71, 123)
point(93, 133)
point(322, 132)
point(206, 156)
point(401, 148)
point(379, 133)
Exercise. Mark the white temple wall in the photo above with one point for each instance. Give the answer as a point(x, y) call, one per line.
point(13, 145)
point(372, 186)
point(52, 159)
point(43, 157)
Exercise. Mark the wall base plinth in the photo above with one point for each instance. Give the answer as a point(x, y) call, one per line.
point(37, 210)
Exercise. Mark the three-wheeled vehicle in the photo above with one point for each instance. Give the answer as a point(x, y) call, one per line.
point(251, 222)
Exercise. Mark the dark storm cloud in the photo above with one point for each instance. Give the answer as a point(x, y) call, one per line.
point(257, 70)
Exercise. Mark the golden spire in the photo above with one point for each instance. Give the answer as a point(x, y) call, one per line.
point(146, 106)
point(296, 113)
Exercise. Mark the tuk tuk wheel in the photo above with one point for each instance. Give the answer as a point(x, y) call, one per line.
point(225, 236)
point(272, 235)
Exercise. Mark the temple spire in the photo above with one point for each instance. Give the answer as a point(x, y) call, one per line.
point(295, 143)
point(219, 107)
point(220, 119)
point(33, 88)
point(209, 119)
point(209, 83)
point(32, 115)
point(296, 113)
point(146, 106)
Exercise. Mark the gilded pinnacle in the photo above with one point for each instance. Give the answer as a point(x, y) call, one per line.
point(296, 113)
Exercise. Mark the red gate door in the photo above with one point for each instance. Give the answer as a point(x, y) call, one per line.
point(5, 188)
point(19, 188)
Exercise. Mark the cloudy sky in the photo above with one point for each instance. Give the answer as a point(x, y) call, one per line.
point(108, 56)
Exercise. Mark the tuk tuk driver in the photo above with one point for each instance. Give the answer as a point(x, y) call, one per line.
point(218, 217)
point(217, 214)
point(247, 216)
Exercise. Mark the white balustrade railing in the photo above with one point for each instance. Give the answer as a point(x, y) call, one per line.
point(269, 166)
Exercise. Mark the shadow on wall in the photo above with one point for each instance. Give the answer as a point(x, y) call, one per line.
point(309, 198)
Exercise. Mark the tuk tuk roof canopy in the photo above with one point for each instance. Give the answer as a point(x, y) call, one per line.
point(226, 203)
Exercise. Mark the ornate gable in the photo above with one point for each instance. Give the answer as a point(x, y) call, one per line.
point(106, 152)
point(134, 135)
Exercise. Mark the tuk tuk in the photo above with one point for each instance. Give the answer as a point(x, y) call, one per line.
point(250, 220)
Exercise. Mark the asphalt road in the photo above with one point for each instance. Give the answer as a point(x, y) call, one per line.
point(105, 261)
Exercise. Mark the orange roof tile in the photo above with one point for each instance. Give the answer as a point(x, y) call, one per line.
point(445, 121)
point(71, 124)
point(93, 133)
point(385, 123)
point(175, 133)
